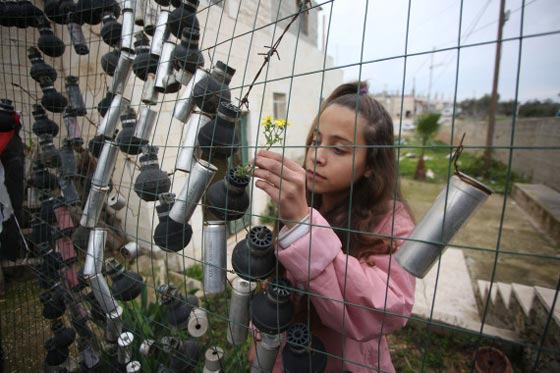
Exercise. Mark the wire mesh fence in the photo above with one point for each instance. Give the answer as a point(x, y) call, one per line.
point(254, 185)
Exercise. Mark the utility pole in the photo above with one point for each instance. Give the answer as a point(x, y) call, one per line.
point(430, 78)
point(494, 97)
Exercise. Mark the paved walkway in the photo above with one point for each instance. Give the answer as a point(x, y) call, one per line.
point(454, 302)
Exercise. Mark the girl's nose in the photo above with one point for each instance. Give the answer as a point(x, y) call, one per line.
point(318, 155)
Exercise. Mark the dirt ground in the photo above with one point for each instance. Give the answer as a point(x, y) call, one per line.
point(508, 249)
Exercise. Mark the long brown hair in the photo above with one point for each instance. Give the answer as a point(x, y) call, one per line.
point(372, 195)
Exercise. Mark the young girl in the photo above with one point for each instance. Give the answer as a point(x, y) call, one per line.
point(344, 217)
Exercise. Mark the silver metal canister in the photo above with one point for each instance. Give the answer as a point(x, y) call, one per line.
point(114, 325)
point(149, 93)
point(238, 320)
point(103, 295)
point(139, 12)
point(75, 98)
point(93, 263)
point(134, 367)
point(94, 206)
point(77, 36)
point(150, 17)
point(183, 76)
point(145, 124)
point(213, 360)
point(116, 201)
point(130, 251)
point(71, 123)
point(449, 212)
point(124, 354)
point(109, 122)
point(266, 352)
point(197, 325)
point(214, 257)
point(200, 177)
point(105, 164)
point(33, 200)
point(147, 347)
point(88, 354)
point(165, 66)
point(185, 103)
point(122, 72)
point(127, 31)
point(186, 153)
point(161, 33)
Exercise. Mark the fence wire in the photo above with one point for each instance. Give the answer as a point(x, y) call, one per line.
point(149, 245)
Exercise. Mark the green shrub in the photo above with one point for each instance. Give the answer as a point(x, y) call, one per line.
point(498, 174)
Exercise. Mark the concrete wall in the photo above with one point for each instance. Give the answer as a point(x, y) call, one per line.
point(234, 33)
point(535, 151)
point(306, 26)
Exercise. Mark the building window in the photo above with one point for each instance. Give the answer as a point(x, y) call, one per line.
point(279, 105)
point(304, 18)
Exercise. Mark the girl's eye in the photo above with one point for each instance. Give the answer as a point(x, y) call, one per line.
point(339, 151)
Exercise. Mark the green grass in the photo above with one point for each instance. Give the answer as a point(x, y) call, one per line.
point(147, 321)
point(437, 159)
point(418, 348)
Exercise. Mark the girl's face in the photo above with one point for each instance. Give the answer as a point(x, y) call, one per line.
point(337, 156)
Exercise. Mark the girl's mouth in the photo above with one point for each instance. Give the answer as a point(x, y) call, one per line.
point(314, 175)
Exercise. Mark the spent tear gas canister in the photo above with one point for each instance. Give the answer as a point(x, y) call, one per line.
point(451, 209)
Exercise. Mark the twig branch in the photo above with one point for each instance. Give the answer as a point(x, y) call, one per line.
point(26, 91)
point(273, 50)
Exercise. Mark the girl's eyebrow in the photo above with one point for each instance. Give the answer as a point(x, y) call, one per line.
point(341, 139)
point(334, 138)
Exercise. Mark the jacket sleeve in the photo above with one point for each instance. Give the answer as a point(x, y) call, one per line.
point(360, 300)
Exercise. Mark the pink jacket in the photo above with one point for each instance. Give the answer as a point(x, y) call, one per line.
point(357, 304)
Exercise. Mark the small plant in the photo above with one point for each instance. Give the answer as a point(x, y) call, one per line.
point(268, 216)
point(194, 272)
point(274, 130)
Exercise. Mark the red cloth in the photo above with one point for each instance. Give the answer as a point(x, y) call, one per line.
point(6, 137)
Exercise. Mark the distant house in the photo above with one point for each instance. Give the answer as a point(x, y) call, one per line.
point(409, 105)
point(398, 105)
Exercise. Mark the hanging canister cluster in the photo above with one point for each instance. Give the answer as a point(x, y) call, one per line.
point(51, 187)
point(210, 121)
point(53, 193)
point(158, 42)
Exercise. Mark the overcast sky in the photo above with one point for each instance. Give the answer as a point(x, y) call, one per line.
point(434, 24)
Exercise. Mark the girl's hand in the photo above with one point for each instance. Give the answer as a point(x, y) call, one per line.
point(284, 181)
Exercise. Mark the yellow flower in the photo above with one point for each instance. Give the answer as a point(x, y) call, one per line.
point(267, 120)
point(281, 123)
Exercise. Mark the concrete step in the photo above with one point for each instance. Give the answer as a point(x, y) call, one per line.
point(542, 203)
point(496, 313)
point(546, 296)
point(520, 305)
point(542, 329)
point(504, 292)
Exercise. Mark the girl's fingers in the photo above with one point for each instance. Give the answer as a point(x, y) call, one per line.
point(278, 167)
point(286, 162)
point(267, 175)
point(269, 189)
